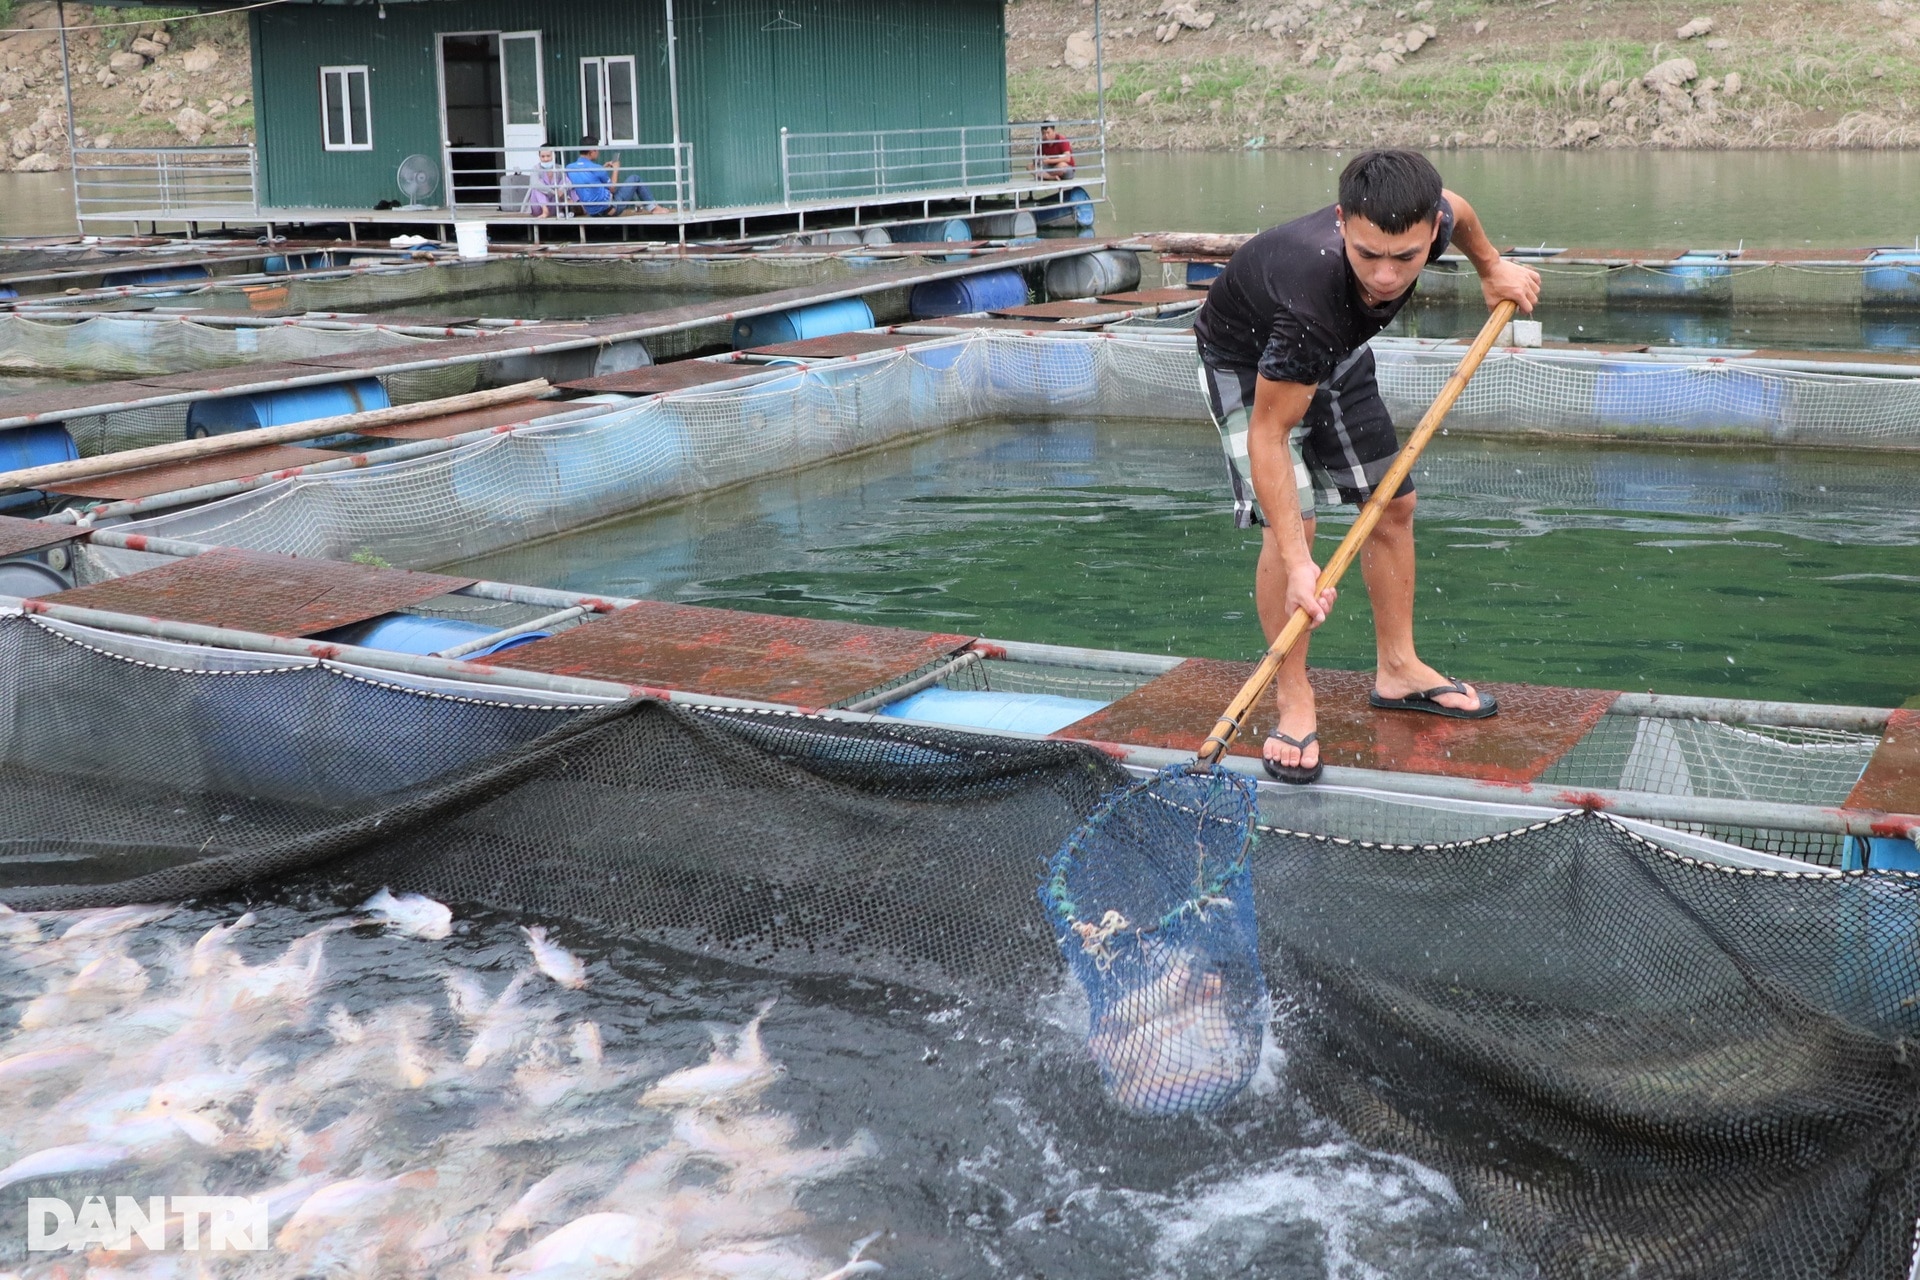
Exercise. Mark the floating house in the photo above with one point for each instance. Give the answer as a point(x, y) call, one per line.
point(723, 116)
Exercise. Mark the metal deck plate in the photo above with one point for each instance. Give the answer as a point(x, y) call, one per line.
point(1891, 783)
point(656, 378)
point(836, 345)
point(1057, 310)
point(169, 476)
point(1537, 724)
point(1157, 297)
point(798, 661)
point(453, 424)
point(260, 591)
point(19, 536)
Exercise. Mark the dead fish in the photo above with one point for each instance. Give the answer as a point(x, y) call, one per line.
point(348, 1200)
point(1172, 1043)
point(80, 1157)
point(413, 914)
point(539, 1205)
point(761, 1260)
point(91, 926)
point(760, 1149)
point(503, 1027)
point(19, 1068)
point(600, 1246)
point(555, 960)
point(102, 985)
point(214, 950)
point(856, 1264)
point(722, 1078)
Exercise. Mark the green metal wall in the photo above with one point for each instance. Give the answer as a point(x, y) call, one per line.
point(292, 42)
point(747, 67)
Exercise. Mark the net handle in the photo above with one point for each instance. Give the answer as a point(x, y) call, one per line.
point(1228, 726)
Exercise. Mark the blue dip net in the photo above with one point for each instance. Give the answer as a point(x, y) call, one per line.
point(1151, 901)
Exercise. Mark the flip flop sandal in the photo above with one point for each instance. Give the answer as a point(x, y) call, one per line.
point(1428, 702)
point(1298, 775)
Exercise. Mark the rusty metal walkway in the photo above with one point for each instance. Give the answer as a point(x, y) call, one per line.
point(58, 404)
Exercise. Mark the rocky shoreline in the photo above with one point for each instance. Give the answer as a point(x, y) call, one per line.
point(182, 83)
point(1252, 74)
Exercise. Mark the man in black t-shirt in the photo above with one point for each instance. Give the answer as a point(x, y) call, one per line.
point(1290, 380)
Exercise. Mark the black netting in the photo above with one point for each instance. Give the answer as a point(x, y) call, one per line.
point(1152, 904)
point(1633, 1063)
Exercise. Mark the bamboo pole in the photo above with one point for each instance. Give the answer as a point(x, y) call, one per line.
point(234, 442)
point(1228, 726)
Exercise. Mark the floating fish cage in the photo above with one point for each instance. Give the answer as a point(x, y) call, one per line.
point(1886, 280)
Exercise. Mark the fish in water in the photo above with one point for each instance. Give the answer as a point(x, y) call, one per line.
point(554, 960)
point(413, 914)
point(85, 1157)
point(600, 1246)
point(724, 1077)
point(214, 951)
point(539, 1205)
point(339, 1204)
point(1173, 1044)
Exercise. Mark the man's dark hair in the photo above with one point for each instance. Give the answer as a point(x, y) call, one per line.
point(1394, 190)
point(589, 142)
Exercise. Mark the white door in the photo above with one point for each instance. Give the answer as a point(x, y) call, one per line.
point(523, 99)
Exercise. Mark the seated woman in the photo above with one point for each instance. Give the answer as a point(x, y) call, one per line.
point(546, 187)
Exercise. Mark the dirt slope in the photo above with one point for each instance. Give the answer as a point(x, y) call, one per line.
point(1512, 73)
point(178, 83)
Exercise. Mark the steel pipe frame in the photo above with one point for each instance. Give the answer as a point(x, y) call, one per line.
point(561, 341)
point(1631, 804)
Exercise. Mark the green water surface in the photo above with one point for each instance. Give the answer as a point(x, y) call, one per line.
point(1715, 571)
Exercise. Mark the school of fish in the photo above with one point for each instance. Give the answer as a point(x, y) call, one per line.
point(136, 1056)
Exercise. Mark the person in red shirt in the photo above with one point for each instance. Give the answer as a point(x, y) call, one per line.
point(1053, 157)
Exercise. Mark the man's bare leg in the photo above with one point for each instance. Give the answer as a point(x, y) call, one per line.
point(1293, 696)
point(1387, 563)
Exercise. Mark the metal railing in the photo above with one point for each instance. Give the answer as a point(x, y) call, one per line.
point(185, 183)
point(652, 178)
point(971, 159)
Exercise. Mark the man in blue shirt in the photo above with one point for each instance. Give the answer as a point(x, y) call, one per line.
point(592, 184)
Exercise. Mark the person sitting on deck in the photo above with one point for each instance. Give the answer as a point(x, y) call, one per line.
point(1289, 379)
point(593, 185)
point(546, 187)
point(1053, 155)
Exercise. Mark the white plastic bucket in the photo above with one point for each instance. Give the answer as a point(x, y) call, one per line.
point(471, 237)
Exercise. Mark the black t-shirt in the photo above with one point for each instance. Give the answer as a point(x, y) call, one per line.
point(1288, 304)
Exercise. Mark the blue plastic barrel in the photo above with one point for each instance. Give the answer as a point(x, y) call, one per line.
point(1880, 853)
point(1892, 275)
point(932, 232)
point(1204, 272)
point(282, 408)
point(8, 291)
point(35, 446)
point(1075, 208)
point(155, 275)
point(1873, 943)
point(1693, 274)
point(1711, 398)
point(988, 709)
point(817, 321)
point(963, 295)
point(279, 262)
point(418, 634)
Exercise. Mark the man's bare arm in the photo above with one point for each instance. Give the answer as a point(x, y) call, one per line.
point(1500, 279)
point(1277, 409)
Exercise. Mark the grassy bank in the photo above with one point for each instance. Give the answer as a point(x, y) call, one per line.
point(1812, 73)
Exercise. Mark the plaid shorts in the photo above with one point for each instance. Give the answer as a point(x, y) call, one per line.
point(1342, 448)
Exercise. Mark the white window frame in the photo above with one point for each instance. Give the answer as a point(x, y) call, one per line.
point(602, 127)
point(341, 78)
